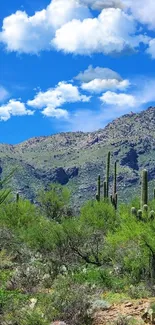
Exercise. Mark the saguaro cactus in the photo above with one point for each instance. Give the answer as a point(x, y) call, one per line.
point(105, 189)
point(98, 194)
point(144, 194)
point(154, 193)
point(107, 174)
point(17, 197)
point(139, 214)
point(134, 211)
point(114, 195)
point(152, 215)
point(115, 177)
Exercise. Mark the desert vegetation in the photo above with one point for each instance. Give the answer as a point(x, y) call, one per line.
point(56, 265)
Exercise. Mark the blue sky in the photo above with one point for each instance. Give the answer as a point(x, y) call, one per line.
point(73, 65)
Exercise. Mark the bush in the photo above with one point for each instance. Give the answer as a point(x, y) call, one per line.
point(54, 203)
point(69, 302)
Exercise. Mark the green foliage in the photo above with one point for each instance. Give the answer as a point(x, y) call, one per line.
point(62, 261)
point(55, 202)
point(139, 291)
point(102, 216)
point(4, 193)
point(18, 217)
point(32, 318)
point(70, 302)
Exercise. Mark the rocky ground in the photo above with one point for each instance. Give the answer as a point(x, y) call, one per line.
point(139, 310)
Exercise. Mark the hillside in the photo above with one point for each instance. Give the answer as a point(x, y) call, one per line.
point(75, 159)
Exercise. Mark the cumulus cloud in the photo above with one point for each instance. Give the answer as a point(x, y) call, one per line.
point(26, 34)
point(68, 25)
point(99, 85)
point(143, 11)
point(113, 31)
point(13, 108)
point(3, 94)
point(99, 79)
point(142, 94)
point(50, 111)
point(60, 12)
point(31, 34)
point(51, 100)
point(97, 73)
point(121, 100)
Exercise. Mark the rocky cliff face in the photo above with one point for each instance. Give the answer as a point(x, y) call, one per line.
point(75, 159)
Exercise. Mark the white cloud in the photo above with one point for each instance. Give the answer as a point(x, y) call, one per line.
point(61, 11)
point(49, 111)
point(143, 11)
point(120, 100)
point(32, 34)
point(97, 73)
point(68, 25)
point(99, 85)
point(52, 99)
point(3, 94)
point(114, 105)
point(26, 34)
point(143, 94)
point(151, 49)
point(13, 108)
point(112, 32)
point(99, 79)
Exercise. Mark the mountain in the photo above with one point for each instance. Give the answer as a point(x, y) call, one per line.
point(75, 159)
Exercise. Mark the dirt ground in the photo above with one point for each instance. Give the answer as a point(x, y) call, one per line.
point(137, 309)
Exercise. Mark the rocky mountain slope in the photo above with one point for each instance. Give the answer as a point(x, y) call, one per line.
point(75, 159)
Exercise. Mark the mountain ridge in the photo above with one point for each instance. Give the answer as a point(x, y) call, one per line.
point(76, 158)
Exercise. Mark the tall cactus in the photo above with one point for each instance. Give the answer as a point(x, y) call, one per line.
point(154, 193)
point(115, 178)
point(114, 195)
point(17, 197)
point(98, 194)
point(108, 173)
point(105, 190)
point(144, 193)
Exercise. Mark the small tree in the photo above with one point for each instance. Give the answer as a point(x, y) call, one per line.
point(55, 202)
point(86, 235)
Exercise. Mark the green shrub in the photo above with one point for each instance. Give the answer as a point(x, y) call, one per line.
point(69, 302)
point(54, 203)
